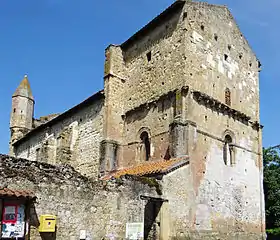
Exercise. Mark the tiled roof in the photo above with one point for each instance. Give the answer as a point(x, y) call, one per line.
point(6, 192)
point(149, 168)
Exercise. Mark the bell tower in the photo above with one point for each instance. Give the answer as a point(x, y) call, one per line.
point(22, 112)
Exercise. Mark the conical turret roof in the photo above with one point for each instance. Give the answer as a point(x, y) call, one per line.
point(24, 89)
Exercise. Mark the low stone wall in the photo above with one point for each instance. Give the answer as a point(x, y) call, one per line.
point(100, 208)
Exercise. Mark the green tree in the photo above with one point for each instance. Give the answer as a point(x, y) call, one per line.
point(271, 160)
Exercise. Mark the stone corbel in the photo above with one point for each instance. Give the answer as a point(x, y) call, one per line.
point(218, 106)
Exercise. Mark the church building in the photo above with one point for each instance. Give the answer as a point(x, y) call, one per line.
point(176, 130)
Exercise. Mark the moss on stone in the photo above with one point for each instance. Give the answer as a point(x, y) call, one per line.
point(152, 182)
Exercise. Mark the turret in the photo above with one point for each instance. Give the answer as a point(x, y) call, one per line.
point(22, 112)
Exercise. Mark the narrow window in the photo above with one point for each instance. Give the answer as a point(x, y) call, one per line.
point(227, 97)
point(146, 146)
point(28, 152)
point(226, 57)
point(149, 56)
point(216, 37)
point(228, 151)
point(38, 154)
point(14, 110)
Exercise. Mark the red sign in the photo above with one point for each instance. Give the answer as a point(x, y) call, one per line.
point(10, 213)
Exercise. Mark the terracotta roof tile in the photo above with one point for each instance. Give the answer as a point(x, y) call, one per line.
point(149, 168)
point(6, 192)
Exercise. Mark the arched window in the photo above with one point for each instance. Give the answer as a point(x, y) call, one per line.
point(227, 97)
point(145, 146)
point(228, 151)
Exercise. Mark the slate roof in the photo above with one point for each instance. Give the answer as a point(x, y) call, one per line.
point(149, 168)
point(6, 192)
point(24, 89)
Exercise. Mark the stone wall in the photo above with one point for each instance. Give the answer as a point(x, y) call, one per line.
point(223, 58)
point(164, 71)
point(22, 112)
point(218, 198)
point(74, 140)
point(232, 194)
point(200, 46)
point(100, 208)
point(221, 209)
point(197, 45)
point(153, 118)
point(103, 208)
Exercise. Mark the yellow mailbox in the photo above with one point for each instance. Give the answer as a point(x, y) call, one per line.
point(47, 223)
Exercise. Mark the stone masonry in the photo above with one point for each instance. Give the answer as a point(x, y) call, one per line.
point(78, 202)
point(185, 85)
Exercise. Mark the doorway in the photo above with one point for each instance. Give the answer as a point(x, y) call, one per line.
point(155, 219)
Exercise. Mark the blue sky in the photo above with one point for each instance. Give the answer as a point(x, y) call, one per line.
point(60, 45)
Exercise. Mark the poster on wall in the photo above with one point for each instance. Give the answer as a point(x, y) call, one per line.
point(13, 221)
point(134, 231)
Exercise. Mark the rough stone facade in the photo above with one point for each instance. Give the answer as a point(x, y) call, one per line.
point(187, 84)
point(73, 138)
point(78, 202)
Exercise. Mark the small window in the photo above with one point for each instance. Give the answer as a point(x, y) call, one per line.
point(145, 146)
point(149, 56)
point(228, 154)
point(38, 154)
point(226, 57)
point(216, 37)
point(14, 110)
point(228, 97)
point(28, 152)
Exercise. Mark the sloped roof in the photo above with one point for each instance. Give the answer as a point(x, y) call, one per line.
point(6, 192)
point(178, 4)
point(62, 116)
point(24, 89)
point(149, 168)
point(155, 22)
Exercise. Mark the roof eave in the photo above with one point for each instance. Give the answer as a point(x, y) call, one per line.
point(152, 24)
point(92, 98)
